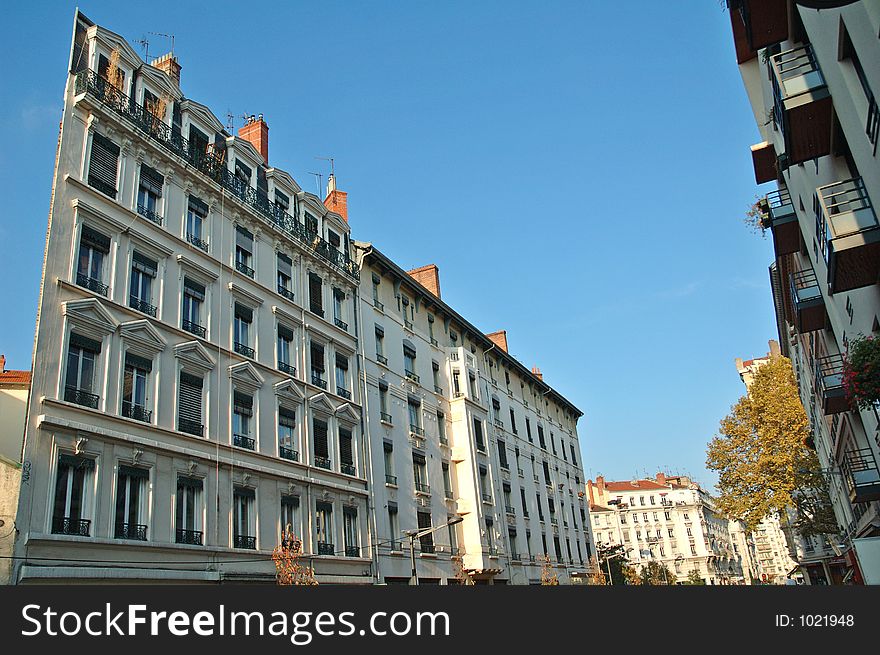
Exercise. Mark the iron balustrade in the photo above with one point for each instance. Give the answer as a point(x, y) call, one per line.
point(438, 389)
point(194, 328)
point(342, 325)
point(71, 526)
point(149, 214)
point(487, 498)
point(510, 510)
point(190, 537)
point(81, 397)
point(434, 342)
point(407, 324)
point(385, 417)
point(416, 430)
point(378, 305)
point(345, 393)
point(211, 165)
point(284, 367)
point(244, 269)
point(454, 550)
point(318, 381)
point(322, 462)
point(444, 441)
point(493, 551)
point(514, 557)
point(348, 469)
point(391, 479)
point(190, 427)
point(198, 242)
point(428, 549)
point(422, 487)
point(244, 541)
point(411, 376)
point(92, 284)
point(142, 306)
point(448, 495)
point(134, 531)
point(284, 291)
point(288, 453)
point(242, 349)
point(316, 309)
point(382, 359)
point(326, 548)
point(499, 423)
point(481, 447)
point(137, 412)
point(243, 441)
point(352, 551)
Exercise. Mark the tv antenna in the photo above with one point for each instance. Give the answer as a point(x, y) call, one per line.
point(318, 178)
point(330, 159)
point(167, 36)
point(145, 44)
point(230, 124)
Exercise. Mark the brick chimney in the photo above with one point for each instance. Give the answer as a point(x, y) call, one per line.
point(2, 363)
point(661, 478)
point(169, 65)
point(774, 348)
point(256, 130)
point(336, 200)
point(499, 339)
point(537, 373)
point(428, 276)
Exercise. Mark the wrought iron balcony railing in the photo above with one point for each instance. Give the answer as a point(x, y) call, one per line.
point(92, 284)
point(348, 468)
point(385, 418)
point(428, 549)
point(288, 453)
point(243, 441)
point(382, 359)
point(137, 412)
point(510, 510)
point(318, 381)
point(287, 293)
point(438, 389)
point(352, 551)
point(194, 328)
point(142, 306)
point(416, 430)
point(422, 487)
point(191, 537)
point(284, 367)
point(326, 548)
point(487, 498)
point(150, 214)
point(412, 376)
point(198, 242)
point(243, 349)
point(244, 269)
point(135, 531)
point(345, 393)
point(244, 541)
point(342, 325)
point(190, 426)
point(81, 397)
point(391, 479)
point(378, 305)
point(322, 462)
point(71, 526)
point(212, 166)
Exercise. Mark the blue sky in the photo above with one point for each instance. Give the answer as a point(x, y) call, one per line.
point(578, 171)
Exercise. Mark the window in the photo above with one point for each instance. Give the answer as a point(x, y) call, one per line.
point(350, 537)
point(341, 375)
point(316, 350)
point(693, 550)
point(485, 490)
point(196, 215)
point(242, 174)
point(244, 251)
point(388, 453)
point(573, 456)
point(320, 447)
point(93, 248)
point(415, 416)
point(282, 201)
point(689, 533)
point(541, 441)
point(285, 340)
point(140, 295)
point(513, 421)
point(456, 383)
point(284, 267)
point(242, 413)
point(435, 373)
point(135, 380)
point(552, 443)
point(290, 516)
point(188, 511)
point(243, 521)
point(508, 504)
point(316, 292)
point(376, 280)
point(339, 309)
point(472, 385)
point(441, 428)
point(346, 452)
point(453, 536)
point(103, 165)
point(383, 402)
point(324, 528)
point(80, 381)
point(287, 440)
point(189, 404)
point(431, 329)
point(420, 474)
point(490, 536)
point(645, 516)
point(651, 500)
point(522, 498)
point(546, 473)
point(131, 503)
point(667, 516)
point(394, 527)
point(311, 223)
point(426, 542)
point(241, 330)
point(380, 345)
point(72, 496)
point(622, 518)
point(529, 430)
point(193, 297)
point(409, 361)
point(478, 435)
point(150, 193)
point(447, 481)
point(641, 500)
point(502, 455)
point(529, 543)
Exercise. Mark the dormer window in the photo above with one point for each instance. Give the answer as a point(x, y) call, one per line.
point(242, 173)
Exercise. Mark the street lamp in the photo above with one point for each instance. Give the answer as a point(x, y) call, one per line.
point(416, 534)
point(608, 563)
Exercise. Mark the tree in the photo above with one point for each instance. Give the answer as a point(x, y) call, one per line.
point(461, 573)
point(288, 569)
point(613, 557)
point(655, 573)
point(694, 578)
point(761, 454)
point(548, 575)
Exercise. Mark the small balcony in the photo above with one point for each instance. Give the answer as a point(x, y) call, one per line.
point(342, 325)
point(829, 384)
point(391, 479)
point(382, 359)
point(348, 469)
point(422, 488)
point(862, 476)
point(316, 309)
point(378, 305)
point(242, 441)
point(288, 453)
point(757, 24)
point(809, 306)
point(81, 397)
point(284, 367)
point(190, 427)
point(509, 510)
point(428, 548)
point(802, 106)
point(285, 292)
point(198, 242)
point(142, 306)
point(408, 324)
point(848, 234)
point(134, 531)
point(92, 284)
point(194, 328)
point(322, 462)
point(412, 376)
point(487, 498)
point(385, 417)
point(438, 389)
point(352, 551)
point(344, 393)
point(326, 548)
point(244, 269)
point(150, 214)
point(244, 541)
point(137, 412)
point(416, 430)
point(71, 526)
point(244, 350)
point(190, 537)
point(778, 216)
point(318, 381)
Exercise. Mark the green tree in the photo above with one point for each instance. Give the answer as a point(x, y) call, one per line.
point(614, 557)
point(761, 453)
point(694, 579)
point(656, 573)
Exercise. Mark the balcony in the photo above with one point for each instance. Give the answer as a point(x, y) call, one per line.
point(382, 359)
point(553, 521)
point(318, 381)
point(435, 343)
point(487, 498)
point(284, 367)
point(829, 384)
point(862, 477)
point(322, 462)
point(385, 418)
point(352, 551)
point(198, 242)
point(190, 427)
point(149, 214)
point(342, 325)
point(244, 269)
point(848, 234)
point(438, 389)
point(378, 305)
point(243, 441)
point(285, 292)
point(348, 469)
point(809, 306)
point(422, 488)
point(244, 350)
point(412, 376)
point(326, 548)
point(81, 397)
point(481, 447)
point(408, 325)
point(416, 430)
point(71, 526)
point(288, 453)
point(757, 24)
point(137, 412)
point(134, 531)
point(344, 393)
point(802, 105)
point(142, 306)
point(194, 328)
point(190, 537)
point(778, 216)
point(499, 423)
point(444, 441)
point(391, 479)
point(510, 510)
point(92, 284)
point(244, 541)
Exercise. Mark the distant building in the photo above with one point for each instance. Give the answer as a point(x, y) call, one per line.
point(14, 386)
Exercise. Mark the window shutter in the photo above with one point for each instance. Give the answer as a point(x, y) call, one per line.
point(320, 430)
point(152, 180)
point(197, 206)
point(79, 341)
point(144, 264)
point(75, 461)
point(134, 472)
point(242, 404)
point(244, 239)
point(95, 239)
point(285, 265)
point(136, 361)
point(286, 417)
point(244, 492)
point(190, 397)
point(408, 348)
point(345, 449)
point(194, 289)
point(317, 357)
point(243, 313)
point(341, 362)
point(285, 333)
point(103, 164)
point(184, 482)
point(418, 459)
point(315, 296)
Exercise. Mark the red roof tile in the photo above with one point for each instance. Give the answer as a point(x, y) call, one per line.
point(15, 377)
point(634, 485)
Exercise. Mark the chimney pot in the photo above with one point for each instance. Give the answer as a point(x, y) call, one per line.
point(336, 200)
point(499, 338)
point(537, 373)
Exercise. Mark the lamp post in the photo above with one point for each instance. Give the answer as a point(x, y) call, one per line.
point(416, 534)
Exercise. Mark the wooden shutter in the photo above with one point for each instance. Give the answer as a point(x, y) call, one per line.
point(316, 299)
point(152, 180)
point(345, 450)
point(103, 164)
point(321, 446)
point(190, 397)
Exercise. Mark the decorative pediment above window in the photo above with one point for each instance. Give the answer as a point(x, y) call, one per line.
point(142, 336)
point(245, 295)
point(285, 316)
point(289, 391)
point(194, 357)
point(321, 402)
point(245, 376)
point(89, 316)
point(347, 411)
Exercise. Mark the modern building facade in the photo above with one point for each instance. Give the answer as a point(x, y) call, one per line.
point(673, 521)
point(811, 76)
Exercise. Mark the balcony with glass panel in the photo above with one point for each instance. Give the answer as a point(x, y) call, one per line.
point(809, 305)
point(829, 384)
point(862, 477)
point(778, 216)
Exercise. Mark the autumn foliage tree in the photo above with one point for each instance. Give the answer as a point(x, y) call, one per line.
point(288, 568)
point(548, 575)
point(761, 453)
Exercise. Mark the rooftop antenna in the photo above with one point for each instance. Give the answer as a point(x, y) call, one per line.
point(318, 177)
point(145, 44)
point(167, 36)
point(230, 124)
point(330, 159)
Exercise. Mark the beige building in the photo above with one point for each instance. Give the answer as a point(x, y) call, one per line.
point(13, 405)
point(811, 76)
point(673, 521)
